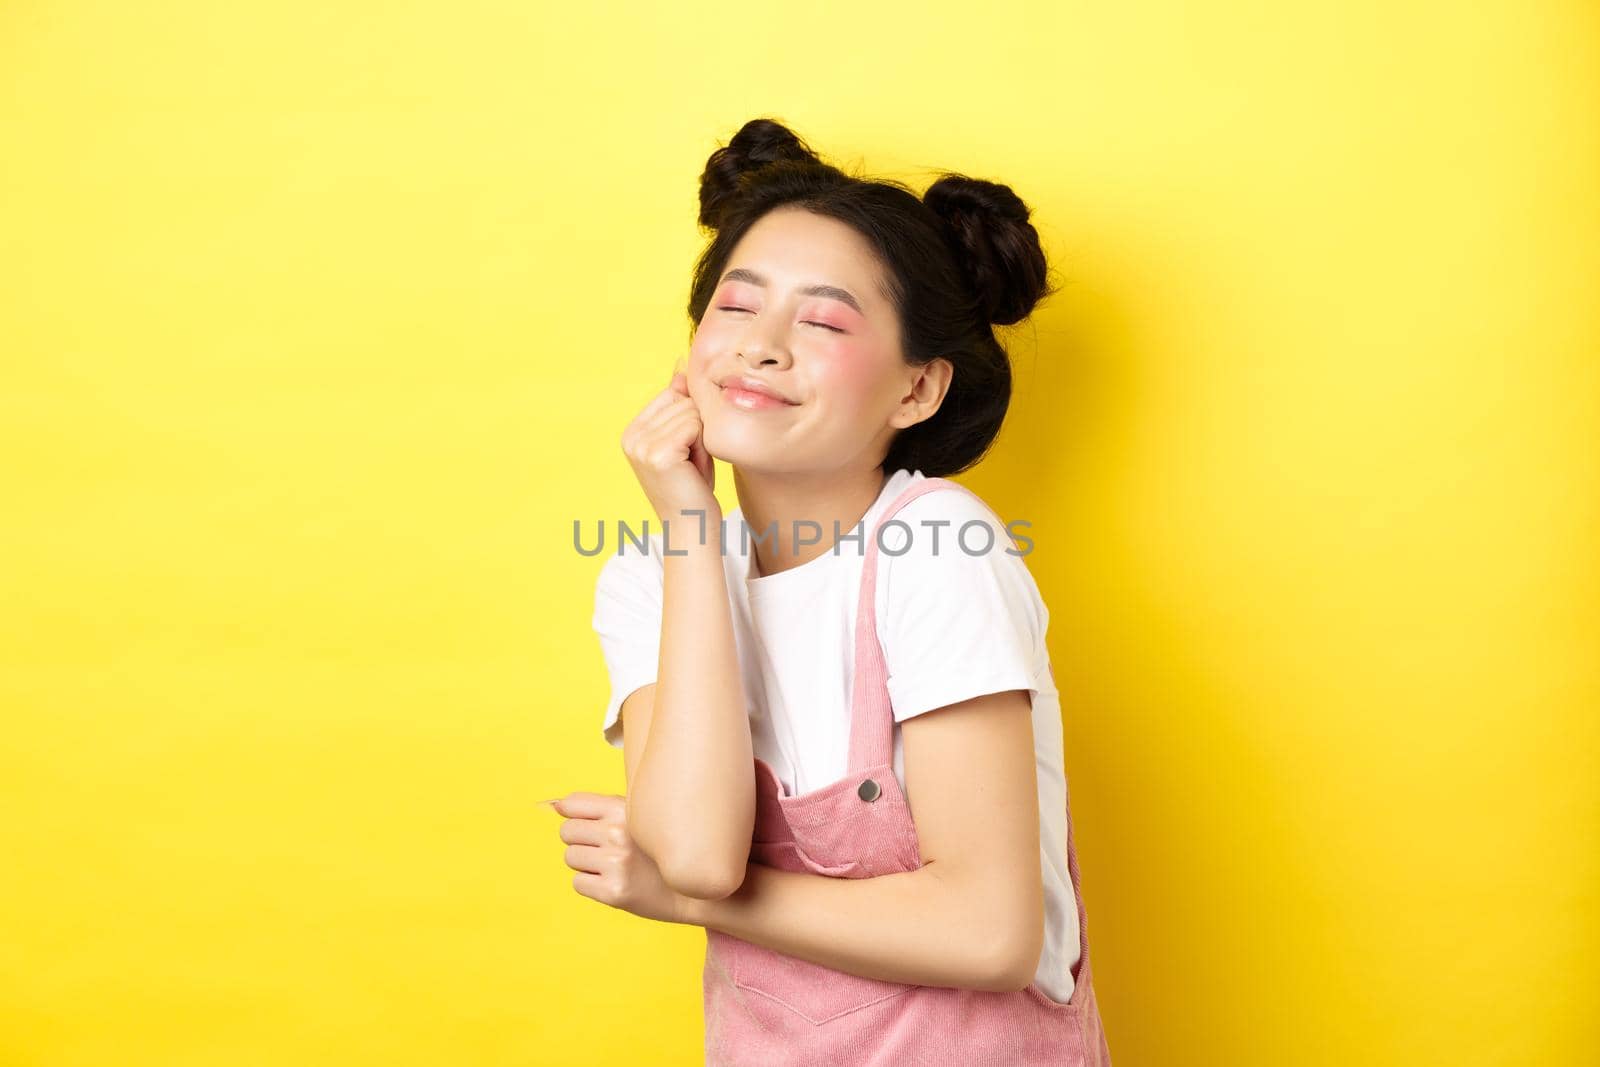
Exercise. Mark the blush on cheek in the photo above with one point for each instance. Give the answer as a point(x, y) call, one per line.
point(704, 347)
point(851, 379)
point(713, 328)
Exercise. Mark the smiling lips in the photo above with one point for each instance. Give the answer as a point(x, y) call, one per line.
point(750, 394)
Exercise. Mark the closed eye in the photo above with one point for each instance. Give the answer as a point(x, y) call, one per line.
point(824, 325)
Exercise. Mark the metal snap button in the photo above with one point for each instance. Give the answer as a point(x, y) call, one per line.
point(869, 790)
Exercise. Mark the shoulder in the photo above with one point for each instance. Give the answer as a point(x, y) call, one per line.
point(949, 503)
point(953, 553)
point(959, 614)
point(952, 522)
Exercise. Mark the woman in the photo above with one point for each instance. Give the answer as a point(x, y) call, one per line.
point(857, 642)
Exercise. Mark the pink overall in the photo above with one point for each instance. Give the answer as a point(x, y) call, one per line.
point(765, 1008)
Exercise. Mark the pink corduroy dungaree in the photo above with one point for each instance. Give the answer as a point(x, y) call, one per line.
point(766, 1009)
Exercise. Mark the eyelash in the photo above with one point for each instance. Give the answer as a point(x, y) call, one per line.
point(824, 325)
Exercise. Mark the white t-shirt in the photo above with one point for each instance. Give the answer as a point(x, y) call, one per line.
point(955, 621)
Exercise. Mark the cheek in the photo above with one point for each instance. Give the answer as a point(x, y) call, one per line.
point(701, 347)
point(704, 351)
point(715, 332)
point(852, 380)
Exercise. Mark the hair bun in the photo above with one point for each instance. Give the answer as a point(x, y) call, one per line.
point(760, 143)
point(994, 242)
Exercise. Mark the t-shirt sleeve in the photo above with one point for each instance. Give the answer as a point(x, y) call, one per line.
point(627, 620)
point(958, 615)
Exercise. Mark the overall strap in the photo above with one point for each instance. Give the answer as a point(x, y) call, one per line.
point(871, 717)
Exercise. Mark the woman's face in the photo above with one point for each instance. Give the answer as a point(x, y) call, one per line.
point(832, 354)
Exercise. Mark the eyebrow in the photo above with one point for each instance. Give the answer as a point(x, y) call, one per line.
point(829, 292)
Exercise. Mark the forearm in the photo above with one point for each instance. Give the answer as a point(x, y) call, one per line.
point(925, 927)
point(691, 806)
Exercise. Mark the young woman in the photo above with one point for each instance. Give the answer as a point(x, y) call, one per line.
point(841, 733)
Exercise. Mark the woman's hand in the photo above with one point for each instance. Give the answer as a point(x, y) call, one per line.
point(665, 446)
point(611, 868)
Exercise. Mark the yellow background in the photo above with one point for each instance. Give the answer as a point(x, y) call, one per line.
point(319, 325)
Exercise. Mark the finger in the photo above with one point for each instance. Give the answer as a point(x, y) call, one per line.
point(583, 805)
point(674, 433)
point(680, 383)
point(583, 831)
point(590, 885)
point(683, 409)
point(584, 858)
point(675, 408)
point(702, 460)
point(668, 395)
point(657, 402)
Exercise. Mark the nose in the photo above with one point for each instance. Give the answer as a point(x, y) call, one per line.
point(763, 347)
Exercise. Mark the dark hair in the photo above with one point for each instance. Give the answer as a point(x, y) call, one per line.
point(959, 260)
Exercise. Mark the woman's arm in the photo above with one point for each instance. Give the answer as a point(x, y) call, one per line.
point(691, 794)
point(973, 915)
point(686, 739)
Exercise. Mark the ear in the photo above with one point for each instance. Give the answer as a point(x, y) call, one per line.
point(927, 390)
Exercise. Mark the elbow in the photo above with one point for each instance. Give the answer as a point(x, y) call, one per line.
point(702, 878)
point(1003, 955)
point(690, 868)
point(1010, 959)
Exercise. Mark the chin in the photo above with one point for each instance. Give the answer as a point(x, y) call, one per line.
point(735, 448)
point(750, 449)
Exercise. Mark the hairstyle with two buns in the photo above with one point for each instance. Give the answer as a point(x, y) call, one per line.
point(959, 260)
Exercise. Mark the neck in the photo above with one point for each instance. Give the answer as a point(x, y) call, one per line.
point(781, 500)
